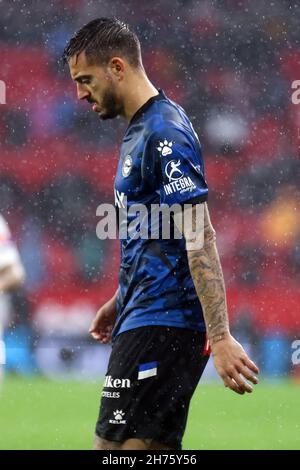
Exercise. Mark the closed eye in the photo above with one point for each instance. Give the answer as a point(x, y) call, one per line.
point(83, 79)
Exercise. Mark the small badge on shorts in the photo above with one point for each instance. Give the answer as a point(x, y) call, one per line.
point(147, 370)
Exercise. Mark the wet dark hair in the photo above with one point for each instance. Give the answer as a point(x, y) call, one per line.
point(103, 38)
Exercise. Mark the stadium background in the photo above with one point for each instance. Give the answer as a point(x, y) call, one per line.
point(230, 64)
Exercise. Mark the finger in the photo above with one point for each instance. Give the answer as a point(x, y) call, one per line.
point(104, 338)
point(105, 341)
point(250, 364)
point(101, 340)
point(93, 326)
point(247, 374)
point(108, 336)
point(96, 335)
point(243, 385)
point(228, 382)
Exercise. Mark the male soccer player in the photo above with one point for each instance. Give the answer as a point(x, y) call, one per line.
point(170, 293)
point(11, 275)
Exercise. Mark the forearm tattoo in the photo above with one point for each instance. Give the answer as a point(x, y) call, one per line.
point(206, 271)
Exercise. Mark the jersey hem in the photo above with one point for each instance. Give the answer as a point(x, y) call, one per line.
point(201, 328)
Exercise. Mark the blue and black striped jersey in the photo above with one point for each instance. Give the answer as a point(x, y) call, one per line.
point(160, 163)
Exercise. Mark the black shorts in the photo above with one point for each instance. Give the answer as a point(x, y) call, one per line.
point(152, 374)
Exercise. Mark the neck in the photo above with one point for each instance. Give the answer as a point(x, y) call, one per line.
point(137, 94)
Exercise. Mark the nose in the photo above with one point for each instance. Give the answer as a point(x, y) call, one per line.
point(81, 92)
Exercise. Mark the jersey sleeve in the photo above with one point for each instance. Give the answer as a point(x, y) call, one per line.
point(8, 251)
point(179, 167)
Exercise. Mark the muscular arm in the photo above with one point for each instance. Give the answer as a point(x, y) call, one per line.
point(231, 361)
point(206, 271)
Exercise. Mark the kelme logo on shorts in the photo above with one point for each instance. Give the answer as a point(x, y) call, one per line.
point(116, 383)
point(118, 417)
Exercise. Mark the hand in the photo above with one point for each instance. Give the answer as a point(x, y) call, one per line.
point(102, 325)
point(233, 365)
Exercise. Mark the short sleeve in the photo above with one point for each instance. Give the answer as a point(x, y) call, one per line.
point(180, 166)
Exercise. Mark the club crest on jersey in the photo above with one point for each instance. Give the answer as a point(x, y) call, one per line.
point(165, 148)
point(127, 166)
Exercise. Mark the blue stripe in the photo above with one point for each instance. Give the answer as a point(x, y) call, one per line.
point(147, 366)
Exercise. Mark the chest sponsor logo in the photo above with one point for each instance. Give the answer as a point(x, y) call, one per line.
point(127, 166)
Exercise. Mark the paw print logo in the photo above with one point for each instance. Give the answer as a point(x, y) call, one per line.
point(119, 414)
point(165, 147)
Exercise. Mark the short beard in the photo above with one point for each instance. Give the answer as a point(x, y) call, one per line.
point(111, 107)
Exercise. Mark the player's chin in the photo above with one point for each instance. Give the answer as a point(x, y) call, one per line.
point(105, 115)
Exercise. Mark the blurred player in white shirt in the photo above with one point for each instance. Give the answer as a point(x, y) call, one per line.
point(11, 275)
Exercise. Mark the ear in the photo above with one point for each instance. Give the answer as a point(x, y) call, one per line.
point(117, 67)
